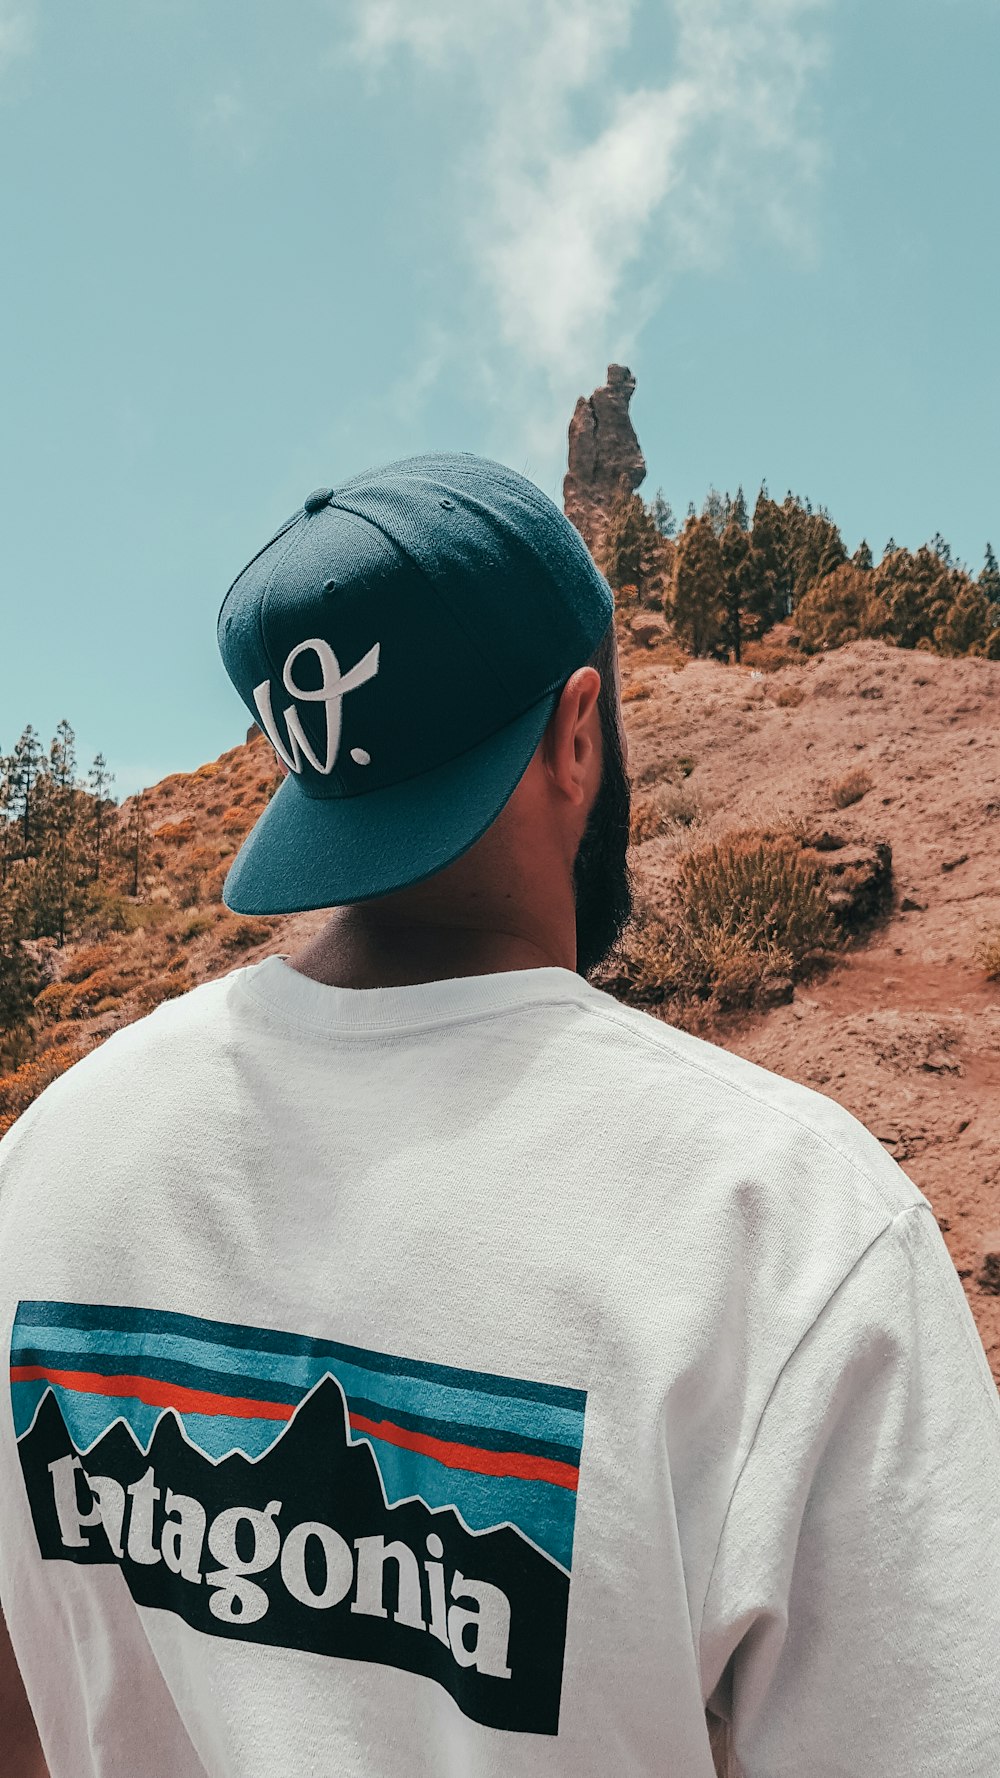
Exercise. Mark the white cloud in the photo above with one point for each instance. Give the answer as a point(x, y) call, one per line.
point(17, 30)
point(565, 216)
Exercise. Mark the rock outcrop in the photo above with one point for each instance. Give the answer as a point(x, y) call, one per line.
point(603, 451)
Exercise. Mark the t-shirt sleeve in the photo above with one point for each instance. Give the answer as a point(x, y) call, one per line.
point(853, 1611)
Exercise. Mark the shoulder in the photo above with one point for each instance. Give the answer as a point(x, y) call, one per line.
point(121, 1063)
point(745, 1105)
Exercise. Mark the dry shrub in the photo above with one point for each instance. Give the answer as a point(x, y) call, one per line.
point(787, 696)
point(744, 908)
point(633, 693)
point(639, 970)
point(76, 1000)
point(159, 988)
point(647, 818)
point(176, 831)
point(851, 788)
point(207, 771)
point(988, 956)
point(658, 810)
point(213, 884)
point(86, 961)
point(195, 927)
point(239, 935)
point(57, 1001)
point(682, 806)
point(234, 817)
point(107, 983)
point(17, 1090)
point(148, 916)
point(740, 910)
point(767, 656)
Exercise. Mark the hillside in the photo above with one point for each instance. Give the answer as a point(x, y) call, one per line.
point(903, 1029)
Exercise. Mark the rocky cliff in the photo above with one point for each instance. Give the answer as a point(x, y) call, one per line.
point(603, 451)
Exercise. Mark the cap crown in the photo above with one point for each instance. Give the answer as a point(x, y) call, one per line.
point(398, 620)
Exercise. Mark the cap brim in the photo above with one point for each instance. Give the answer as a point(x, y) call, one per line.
point(310, 852)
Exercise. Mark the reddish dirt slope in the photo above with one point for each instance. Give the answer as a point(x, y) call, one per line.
point(905, 1030)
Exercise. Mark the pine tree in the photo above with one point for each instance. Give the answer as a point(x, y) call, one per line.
point(838, 608)
point(25, 765)
point(61, 866)
point(100, 781)
point(716, 510)
point(662, 514)
point(738, 588)
point(941, 549)
point(20, 975)
point(917, 591)
point(8, 826)
point(890, 548)
point(833, 553)
point(630, 553)
point(862, 557)
point(696, 601)
point(771, 566)
point(739, 515)
point(989, 578)
point(965, 626)
point(136, 844)
point(815, 546)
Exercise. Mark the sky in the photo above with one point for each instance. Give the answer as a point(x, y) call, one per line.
point(253, 248)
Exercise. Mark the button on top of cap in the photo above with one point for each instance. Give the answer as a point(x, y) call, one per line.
point(317, 500)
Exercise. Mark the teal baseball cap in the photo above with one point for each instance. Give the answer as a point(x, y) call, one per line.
point(402, 642)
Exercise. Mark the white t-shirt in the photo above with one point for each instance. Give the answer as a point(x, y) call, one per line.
point(478, 1379)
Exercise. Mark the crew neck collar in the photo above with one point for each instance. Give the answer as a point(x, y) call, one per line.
point(300, 1000)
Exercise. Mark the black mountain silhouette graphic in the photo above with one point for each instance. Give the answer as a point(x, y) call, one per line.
point(482, 1613)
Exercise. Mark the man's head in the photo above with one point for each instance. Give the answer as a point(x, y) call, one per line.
point(411, 644)
point(558, 847)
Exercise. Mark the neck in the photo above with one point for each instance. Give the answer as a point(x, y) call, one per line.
point(360, 948)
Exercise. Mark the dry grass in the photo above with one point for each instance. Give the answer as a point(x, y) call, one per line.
point(851, 788)
point(988, 956)
point(659, 810)
point(742, 912)
point(768, 657)
point(788, 696)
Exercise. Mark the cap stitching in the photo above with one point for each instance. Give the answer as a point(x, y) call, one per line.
point(280, 532)
point(452, 610)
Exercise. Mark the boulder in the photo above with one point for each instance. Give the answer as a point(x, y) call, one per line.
point(648, 628)
point(859, 882)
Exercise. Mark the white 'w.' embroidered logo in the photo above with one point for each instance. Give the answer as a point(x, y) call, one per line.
point(330, 693)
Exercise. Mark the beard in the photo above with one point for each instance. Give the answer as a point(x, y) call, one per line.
point(602, 880)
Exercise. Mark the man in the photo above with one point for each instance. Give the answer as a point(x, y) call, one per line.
point(422, 1363)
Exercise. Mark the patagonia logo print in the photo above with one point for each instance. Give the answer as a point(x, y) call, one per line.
point(311, 1495)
